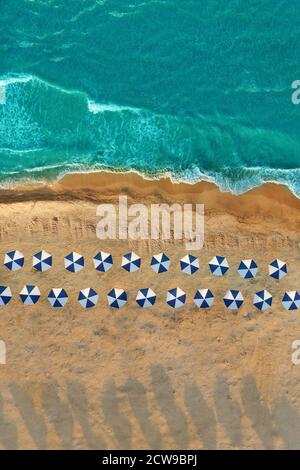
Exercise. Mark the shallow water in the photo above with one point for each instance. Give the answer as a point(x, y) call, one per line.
point(197, 89)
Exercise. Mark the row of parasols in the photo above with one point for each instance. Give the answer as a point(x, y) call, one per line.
point(117, 298)
point(131, 262)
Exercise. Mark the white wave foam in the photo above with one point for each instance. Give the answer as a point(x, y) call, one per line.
point(253, 178)
point(2, 95)
point(93, 106)
point(8, 80)
point(96, 108)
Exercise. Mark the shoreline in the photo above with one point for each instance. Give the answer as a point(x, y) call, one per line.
point(273, 199)
point(158, 177)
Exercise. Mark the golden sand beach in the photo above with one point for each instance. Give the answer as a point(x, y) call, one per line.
point(155, 378)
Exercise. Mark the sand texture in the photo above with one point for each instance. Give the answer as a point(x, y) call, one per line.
point(156, 378)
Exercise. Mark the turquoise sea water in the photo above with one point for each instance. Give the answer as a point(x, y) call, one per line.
point(196, 89)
